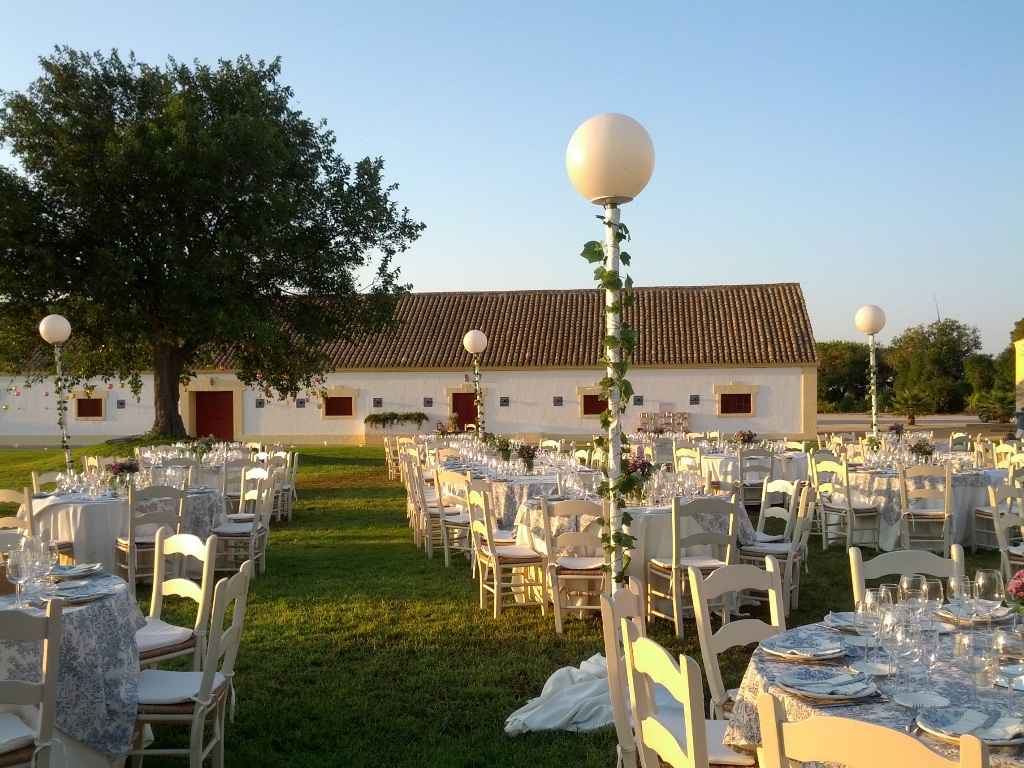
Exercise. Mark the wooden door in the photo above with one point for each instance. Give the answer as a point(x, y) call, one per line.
point(215, 415)
point(464, 404)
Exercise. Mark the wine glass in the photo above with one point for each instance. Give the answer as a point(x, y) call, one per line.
point(888, 622)
point(53, 557)
point(889, 593)
point(909, 581)
point(1009, 650)
point(913, 601)
point(908, 648)
point(960, 593)
point(18, 572)
point(930, 639)
point(933, 596)
point(989, 591)
point(865, 622)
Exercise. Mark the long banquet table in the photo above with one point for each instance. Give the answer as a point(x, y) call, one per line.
point(946, 679)
point(94, 524)
point(99, 665)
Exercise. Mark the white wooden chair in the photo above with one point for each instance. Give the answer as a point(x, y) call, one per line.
point(791, 555)
point(158, 640)
point(687, 459)
point(770, 490)
point(26, 745)
point(182, 462)
point(514, 576)
point(669, 738)
point(40, 481)
point(451, 513)
point(843, 511)
point(42, 522)
point(902, 561)
point(1005, 499)
point(853, 743)
point(927, 511)
point(250, 478)
point(755, 467)
point(627, 604)
point(146, 514)
point(575, 559)
point(1009, 528)
point(197, 699)
point(13, 528)
point(721, 587)
point(239, 542)
point(666, 579)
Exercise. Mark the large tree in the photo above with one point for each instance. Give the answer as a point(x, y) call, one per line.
point(173, 213)
point(931, 360)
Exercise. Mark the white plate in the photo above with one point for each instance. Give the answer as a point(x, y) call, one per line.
point(794, 655)
point(942, 723)
point(875, 668)
point(830, 683)
point(803, 647)
point(61, 572)
point(999, 614)
point(921, 700)
point(72, 598)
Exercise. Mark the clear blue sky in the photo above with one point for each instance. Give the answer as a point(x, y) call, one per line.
point(872, 152)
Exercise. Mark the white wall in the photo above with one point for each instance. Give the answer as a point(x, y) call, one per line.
point(31, 417)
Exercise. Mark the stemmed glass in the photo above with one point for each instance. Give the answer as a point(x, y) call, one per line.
point(865, 622)
point(930, 639)
point(908, 647)
point(933, 596)
point(19, 569)
point(908, 582)
point(989, 591)
point(1009, 650)
point(960, 593)
point(888, 622)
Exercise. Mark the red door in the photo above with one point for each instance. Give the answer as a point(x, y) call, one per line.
point(464, 404)
point(215, 415)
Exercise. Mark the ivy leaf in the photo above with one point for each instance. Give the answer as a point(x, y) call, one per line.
point(624, 257)
point(593, 252)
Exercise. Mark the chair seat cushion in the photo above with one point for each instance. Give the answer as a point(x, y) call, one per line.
point(718, 753)
point(767, 548)
point(457, 519)
point(14, 733)
point(159, 634)
point(573, 563)
point(701, 562)
point(986, 511)
point(501, 537)
point(767, 538)
point(513, 552)
point(141, 540)
point(233, 529)
point(241, 517)
point(162, 686)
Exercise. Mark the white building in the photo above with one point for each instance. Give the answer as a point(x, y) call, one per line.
point(731, 357)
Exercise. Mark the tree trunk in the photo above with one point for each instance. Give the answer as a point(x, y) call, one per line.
point(168, 363)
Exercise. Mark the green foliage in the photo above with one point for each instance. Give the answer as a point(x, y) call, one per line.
point(910, 403)
point(931, 359)
point(391, 418)
point(175, 213)
point(994, 405)
point(843, 370)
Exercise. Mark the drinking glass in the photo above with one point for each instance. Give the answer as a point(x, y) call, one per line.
point(909, 581)
point(908, 648)
point(865, 622)
point(1009, 650)
point(934, 596)
point(913, 601)
point(53, 557)
point(989, 591)
point(888, 622)
point(930, 638)
point(980, 663)
point(889, 593)
point(960, 593)
point(18, 572)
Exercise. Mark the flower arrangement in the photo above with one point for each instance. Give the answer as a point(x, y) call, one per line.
point(921, 448)
point(126, 467)
point(1015, 592)
point(873, 442)
point(639, 465)
point(746, 436)
point(896, 429)
point(526, 452)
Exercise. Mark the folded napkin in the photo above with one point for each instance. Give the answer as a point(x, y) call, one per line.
point(836, 685)
point(948, 613)
point(840, 620)
point(804, 647)
point(1005, 728)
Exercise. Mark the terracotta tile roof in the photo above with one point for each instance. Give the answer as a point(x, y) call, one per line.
point(724, 325)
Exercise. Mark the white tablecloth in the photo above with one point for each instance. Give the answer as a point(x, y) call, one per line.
point(94, 524)
point(99, 667)
point(785, 466)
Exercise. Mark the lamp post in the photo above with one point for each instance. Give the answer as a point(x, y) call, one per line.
point(870, 320)
point(610, 159)
point(475, 343)
point(55, 329)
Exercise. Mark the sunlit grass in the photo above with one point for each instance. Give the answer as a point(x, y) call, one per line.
point(359, 650)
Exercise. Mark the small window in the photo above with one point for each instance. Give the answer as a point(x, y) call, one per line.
point(338, 406)
point(594, 405)
point(89, 408)
point(737, 403)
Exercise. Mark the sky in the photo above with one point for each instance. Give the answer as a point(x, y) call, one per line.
point(871, 151)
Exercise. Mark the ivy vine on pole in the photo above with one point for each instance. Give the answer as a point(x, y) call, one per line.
point(619, 343)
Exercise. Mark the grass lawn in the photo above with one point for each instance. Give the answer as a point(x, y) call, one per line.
point(359, 650)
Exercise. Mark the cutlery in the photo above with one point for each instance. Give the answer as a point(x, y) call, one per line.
point(989, 722)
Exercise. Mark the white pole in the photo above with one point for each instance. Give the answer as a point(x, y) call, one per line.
point(62, 409)
point(613, 454)
point(874, 388)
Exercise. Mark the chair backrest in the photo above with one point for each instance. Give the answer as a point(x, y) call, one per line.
point(910, 492)
point(233, 470)
point(679, 744)
point(902, 561)
point(481, 520)
point(627, 604)
point(580, 543)
point(959, 441)
point(21, 626)
point(687, 459)
point(687, 532)
point(42, 479)
point(1005, 534)
point(1001, 455)
point(222, 647)
point(249, 482)
point(15, 527)
point(755, 465)
point(144, 510)
point(790, 489)
point(172, 581)
point(718, 585)
point(551, 444)
point(853, 743)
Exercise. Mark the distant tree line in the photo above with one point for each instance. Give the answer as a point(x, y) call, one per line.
point(936, 368)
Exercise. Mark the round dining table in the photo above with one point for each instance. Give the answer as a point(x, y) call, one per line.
point(94, 523)
point(99, 667)
point(946, 679)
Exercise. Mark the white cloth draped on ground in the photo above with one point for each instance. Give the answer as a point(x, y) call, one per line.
point(575, 700)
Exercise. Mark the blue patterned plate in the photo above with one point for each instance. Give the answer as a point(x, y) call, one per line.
point(75, 571)
point(828, 683)
point(951, 723)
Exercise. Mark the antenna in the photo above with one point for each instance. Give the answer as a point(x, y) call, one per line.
point(938, 317)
